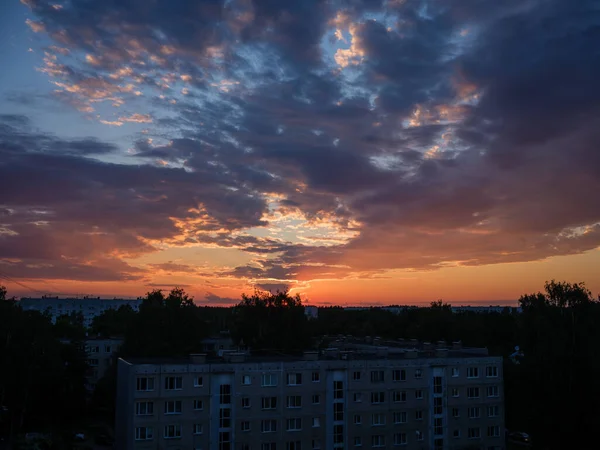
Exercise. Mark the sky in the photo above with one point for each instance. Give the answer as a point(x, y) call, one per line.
point(354, 152)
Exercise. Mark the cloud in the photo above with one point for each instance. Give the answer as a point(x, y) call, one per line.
point(425, 134)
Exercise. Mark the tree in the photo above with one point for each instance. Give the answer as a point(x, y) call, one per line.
point(113, 322)
point(169, 325)
point(271, 322)
point(554, 386)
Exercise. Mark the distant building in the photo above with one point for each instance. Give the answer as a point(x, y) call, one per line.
point(100, 356)
point(404, 395)
point(88, 306)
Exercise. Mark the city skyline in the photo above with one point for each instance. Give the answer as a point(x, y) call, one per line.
point(391, 152)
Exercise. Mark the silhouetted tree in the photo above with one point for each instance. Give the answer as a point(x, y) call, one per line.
point(113, 322)
point(169, 325)
point(271, 322)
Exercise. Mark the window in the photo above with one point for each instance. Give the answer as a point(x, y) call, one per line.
point(173, 407)
point(197, 428)
point(493, 411)
point(418, 373)
point(107, 348)
point(437, 385)
point(269, 402)
point(399, 396)
point(245, 425)
point(144, 434)
point(338, 411)
point(357, 419)
point(378, 419)
point(172, 431)
point(472, 372)
point(419, 394)
point(437, 405)
point(224, 440)
point(493, 391)
point(173, 383)
point(378, 440)
point(294, 379)
point(420, 436)
point(438, 426)
point(400, 439)
point(95, 349)
point(294, 401)
point(269, 379)
point(224, 418)
point(245, 402)
point(268, 426)
point(246, 380)
point(419, 414)
point(455, 372)
point(198, 405)
point(399, 375)
point(338, 435)
point(316, 444)
point(358, 441)
point(491, 371)
point(473, 392)
point(198, 381)
point(356, 376)
point(316, 422)
point(93, 362)
point(493, 431)
point(338, 389)
point(268, 446)
point(357, 397)
point(456, 434)
point(316, 399)
point(293, 445)
point(225, 394)
point(316, 377)
point(144, 408)
point(294, 424)
point(377, 376)
point(377, 397)
point(474, 433)
point(400, 417)
point(474, 412)
point(455, 392)
point(455, 412)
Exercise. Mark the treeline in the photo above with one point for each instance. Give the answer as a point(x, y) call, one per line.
point(550, 392)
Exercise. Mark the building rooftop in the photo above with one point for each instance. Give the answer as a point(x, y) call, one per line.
point(340, 349)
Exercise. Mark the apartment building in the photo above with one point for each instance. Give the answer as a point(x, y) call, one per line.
point(371, 397)
point(90, 307)
point(100, 355)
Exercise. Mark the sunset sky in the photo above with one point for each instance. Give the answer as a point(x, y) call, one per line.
point(374, 152)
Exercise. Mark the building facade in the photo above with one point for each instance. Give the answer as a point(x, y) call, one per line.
point(100, 357)
point(403, 399)
point(89, 307)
